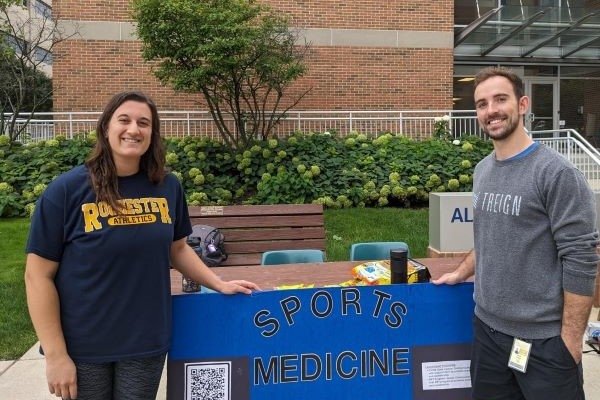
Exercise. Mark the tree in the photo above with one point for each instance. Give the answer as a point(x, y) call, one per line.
point(35, 85)
point(240, 55)
point(26, 43)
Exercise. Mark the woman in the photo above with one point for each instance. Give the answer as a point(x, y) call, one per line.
point(97, 276)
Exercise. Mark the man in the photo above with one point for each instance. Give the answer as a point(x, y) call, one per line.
point(534, 259)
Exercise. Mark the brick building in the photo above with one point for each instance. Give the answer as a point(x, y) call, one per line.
point(365, 54)
point(372, 55)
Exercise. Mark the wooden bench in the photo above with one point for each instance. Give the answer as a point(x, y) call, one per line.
point(253, 229)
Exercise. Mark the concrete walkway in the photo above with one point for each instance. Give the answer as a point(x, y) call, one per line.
point(25, 379)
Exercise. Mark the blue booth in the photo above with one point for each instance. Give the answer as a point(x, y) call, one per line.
point(367, 342)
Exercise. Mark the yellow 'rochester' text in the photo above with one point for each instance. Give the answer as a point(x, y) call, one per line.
point(133, 211)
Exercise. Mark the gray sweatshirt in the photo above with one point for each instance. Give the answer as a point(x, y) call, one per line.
point(535, 236)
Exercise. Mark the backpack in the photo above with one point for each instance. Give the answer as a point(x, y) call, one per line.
point(209, 244)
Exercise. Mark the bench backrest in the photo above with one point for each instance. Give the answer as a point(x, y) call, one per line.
point(253, 229)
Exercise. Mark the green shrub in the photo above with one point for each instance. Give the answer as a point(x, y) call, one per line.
point(28, 169)
point(353, 171)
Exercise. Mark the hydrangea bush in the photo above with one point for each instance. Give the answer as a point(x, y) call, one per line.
point(353, 171)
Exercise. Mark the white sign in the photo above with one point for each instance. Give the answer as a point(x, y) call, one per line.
point(451, 221)
point(441, 375)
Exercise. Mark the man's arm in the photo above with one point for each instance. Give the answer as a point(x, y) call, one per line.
point(576, 313)
point(572, 212)
point(465, 270)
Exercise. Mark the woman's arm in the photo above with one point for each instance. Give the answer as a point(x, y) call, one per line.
point(44, 309)
point(185, 260)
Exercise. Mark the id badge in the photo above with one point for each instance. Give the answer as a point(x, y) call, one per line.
point(519, 355)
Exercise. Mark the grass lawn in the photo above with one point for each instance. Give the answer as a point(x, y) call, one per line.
point(16, 333)
point(347, 226)
point(343, 228)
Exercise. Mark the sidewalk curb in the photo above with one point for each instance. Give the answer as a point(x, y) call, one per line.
point(5, 365)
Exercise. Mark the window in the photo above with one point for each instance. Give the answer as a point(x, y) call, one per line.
point(42, 8)
point(42, 55)
point(18, 45)
point(467, 11)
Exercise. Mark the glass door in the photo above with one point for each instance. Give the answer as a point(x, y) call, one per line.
point(543, 106)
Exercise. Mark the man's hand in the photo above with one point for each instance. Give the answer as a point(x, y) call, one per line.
point(575, 316)
point(449, 278)
point(465, 270)
point(574, 345)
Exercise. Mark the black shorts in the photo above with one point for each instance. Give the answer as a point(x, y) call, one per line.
point(136, 379)
point(551, 372)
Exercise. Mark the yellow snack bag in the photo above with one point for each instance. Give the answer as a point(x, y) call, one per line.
point(297, 286)
point(352, 282)
point(417, 272)
point(373, 272)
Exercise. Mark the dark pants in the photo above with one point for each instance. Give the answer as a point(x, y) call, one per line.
point(122, 380)
point(551, 371)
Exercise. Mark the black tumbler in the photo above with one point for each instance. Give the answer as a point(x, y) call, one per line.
point(398, 265)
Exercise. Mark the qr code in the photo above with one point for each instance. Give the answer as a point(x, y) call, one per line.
point(208, 380)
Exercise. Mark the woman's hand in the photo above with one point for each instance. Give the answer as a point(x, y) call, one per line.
point(62, 376)
point(237, 286)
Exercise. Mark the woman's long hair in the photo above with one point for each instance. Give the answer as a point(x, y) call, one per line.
point(101, 164)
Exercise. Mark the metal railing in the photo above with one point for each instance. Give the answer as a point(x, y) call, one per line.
point(576, 149)
point(413, 124)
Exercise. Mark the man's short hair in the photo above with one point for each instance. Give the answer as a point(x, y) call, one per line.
point(491, 72)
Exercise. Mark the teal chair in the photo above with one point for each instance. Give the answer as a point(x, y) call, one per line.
point(291, 256)
point(375, 250)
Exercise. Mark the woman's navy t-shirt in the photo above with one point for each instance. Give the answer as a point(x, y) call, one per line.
point(113, 279)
